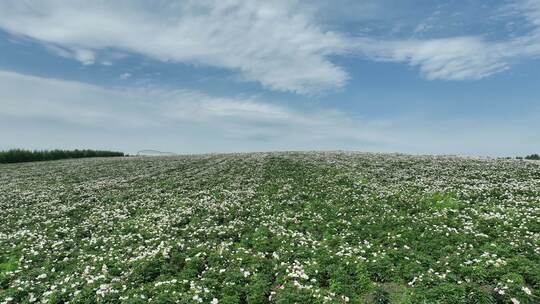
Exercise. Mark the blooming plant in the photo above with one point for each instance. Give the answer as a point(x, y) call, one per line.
point(318, 227)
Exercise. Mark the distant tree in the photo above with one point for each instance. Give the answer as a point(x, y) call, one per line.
point(533, 157)
point(20, 155)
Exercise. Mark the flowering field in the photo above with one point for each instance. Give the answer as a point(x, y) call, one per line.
point(271, 228)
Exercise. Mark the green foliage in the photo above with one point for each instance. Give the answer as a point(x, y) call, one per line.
point(476, 294)
point(146, 271)
point(19, 155)
point(271, 228)
point(349, 280)
point(8, 263)
point(380, 296)
point(533, 157)
point(293, 295)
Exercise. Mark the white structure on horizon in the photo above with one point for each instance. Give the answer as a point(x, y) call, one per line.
point(154, 153)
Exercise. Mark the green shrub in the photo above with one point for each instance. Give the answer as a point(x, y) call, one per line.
point(533, 157)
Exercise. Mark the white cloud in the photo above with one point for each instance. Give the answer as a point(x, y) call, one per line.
point(465, 57)
point(530, 9)
point(266, 41)
point(29, 97)
point(529, 44)
point(50, 113)
point(182, 113)
point(457, 58)
point(85, 56)
point(281, 44)
point(125, 76)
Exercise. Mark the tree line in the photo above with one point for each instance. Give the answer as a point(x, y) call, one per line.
point(21, 155)
point(533, 157)
point(529, 157)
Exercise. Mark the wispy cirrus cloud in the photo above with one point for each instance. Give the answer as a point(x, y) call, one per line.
point(530, 9)
point(462, 57)
point(155, 108)
point(68, 114)
point(265, 41)
point(283, 45)
point(457, 58)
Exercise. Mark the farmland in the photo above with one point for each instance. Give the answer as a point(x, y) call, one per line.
point(314, 227)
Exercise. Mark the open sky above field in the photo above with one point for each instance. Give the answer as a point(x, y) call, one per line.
point(445, 77)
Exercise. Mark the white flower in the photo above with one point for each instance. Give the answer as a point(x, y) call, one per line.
point(42, 276)
point(514, 301)
point(526, 290)
point(214, 301)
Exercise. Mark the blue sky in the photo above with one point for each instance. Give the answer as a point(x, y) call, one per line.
point(422, 77)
